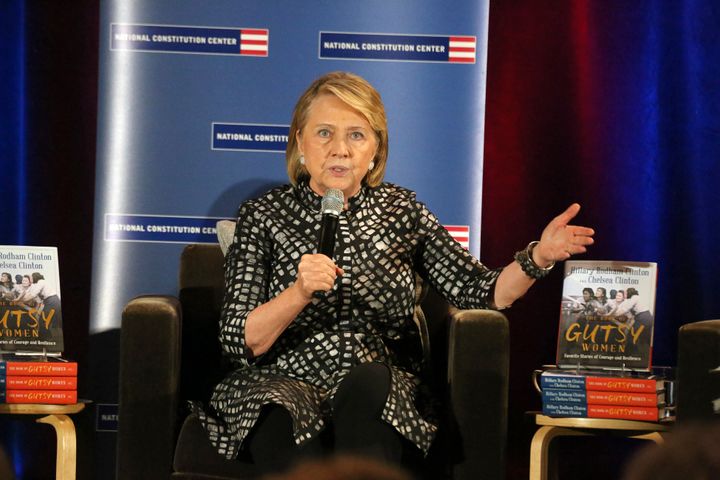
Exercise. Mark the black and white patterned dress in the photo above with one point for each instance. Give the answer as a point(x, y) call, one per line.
point(383, 239)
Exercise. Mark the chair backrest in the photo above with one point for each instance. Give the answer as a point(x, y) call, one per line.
point(201, 287)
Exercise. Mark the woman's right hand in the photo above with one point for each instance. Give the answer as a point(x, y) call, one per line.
point(263, 326)
point(316, 273)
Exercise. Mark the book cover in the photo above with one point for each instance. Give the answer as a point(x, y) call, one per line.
point(17, 382)
point(30, 310)
point(650, 414)
point(48, 368)
point(39, 396)
point(592, 397)
point(607, 315)
point(599, 381)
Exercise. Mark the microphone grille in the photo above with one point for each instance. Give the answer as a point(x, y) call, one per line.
point(332, 201)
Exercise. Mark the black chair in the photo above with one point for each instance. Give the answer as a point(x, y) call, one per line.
point(170, 353)
point(698, 376)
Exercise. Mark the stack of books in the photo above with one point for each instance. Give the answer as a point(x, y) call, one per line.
point(597, 394)
point(48, 381)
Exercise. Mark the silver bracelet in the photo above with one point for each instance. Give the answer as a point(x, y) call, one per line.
point(528, 265)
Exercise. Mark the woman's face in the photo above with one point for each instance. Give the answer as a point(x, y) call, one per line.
point(338, 144)
point(586, 295)
point(600, 293)
point(4, 278)
point(26, 282)
point(619, 296)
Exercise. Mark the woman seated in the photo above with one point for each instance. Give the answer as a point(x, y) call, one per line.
point(325, 348)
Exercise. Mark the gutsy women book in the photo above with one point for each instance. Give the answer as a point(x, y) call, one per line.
point(607, 315)
point(30, 310)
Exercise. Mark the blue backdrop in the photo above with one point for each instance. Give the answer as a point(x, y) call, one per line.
point(195, 104)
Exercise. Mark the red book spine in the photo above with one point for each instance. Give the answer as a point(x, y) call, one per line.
point(650, 414)
point(621, 384)
point(622, 398)
point(16, 382)
point(40, 396)
point(46, 369)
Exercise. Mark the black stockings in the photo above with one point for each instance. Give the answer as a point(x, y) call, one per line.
point(356, 425)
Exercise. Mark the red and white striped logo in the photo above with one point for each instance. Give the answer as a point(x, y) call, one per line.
point(461, 234)
point(462, 49)
point(254, 42)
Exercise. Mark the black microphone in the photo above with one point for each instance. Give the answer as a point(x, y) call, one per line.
point(331, 206)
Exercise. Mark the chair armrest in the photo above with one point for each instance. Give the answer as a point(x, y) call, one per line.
point(478, 367)
point(150, 342)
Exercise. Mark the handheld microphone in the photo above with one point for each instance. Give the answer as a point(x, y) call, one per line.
point(331, 206)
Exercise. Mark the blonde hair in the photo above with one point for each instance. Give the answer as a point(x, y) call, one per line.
point(357, 93)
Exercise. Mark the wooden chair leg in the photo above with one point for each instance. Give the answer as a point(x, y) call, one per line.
point(541, 445)
point(66, 445)
point(656, 437)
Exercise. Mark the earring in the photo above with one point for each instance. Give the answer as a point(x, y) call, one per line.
point(301, 160)
point(371, 166)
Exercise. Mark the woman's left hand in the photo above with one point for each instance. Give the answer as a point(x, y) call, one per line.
point(560, 240)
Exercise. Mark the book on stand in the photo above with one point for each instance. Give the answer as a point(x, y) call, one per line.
point(592, 397)
point(600, 380)
point(64, 397)
point(607, 315)
point(620, 412)
point(36, 366)
point(30, 309)
point(18, 382)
